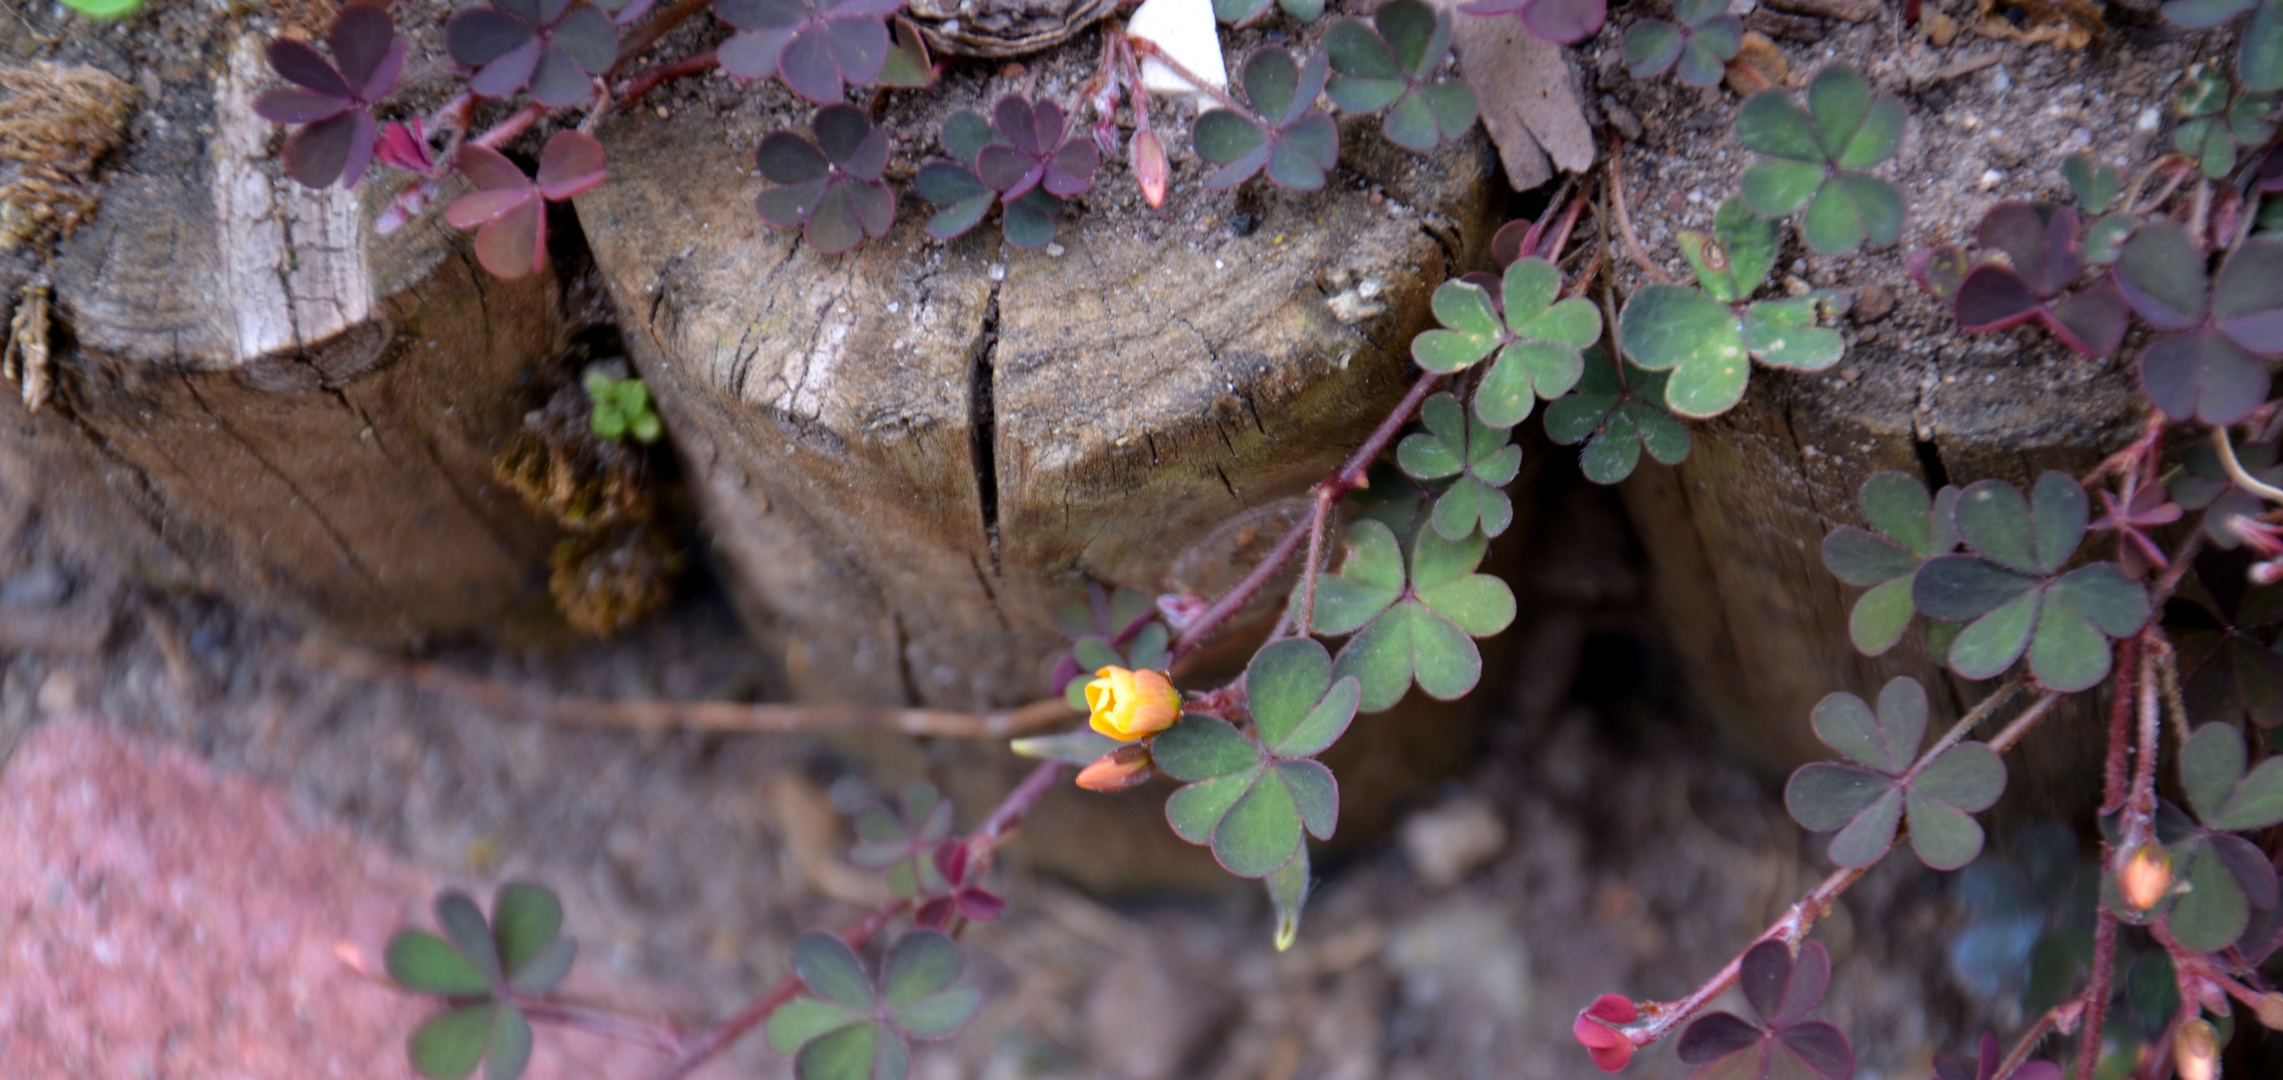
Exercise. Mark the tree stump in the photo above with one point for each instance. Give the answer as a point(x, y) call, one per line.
point(301, 413)
point(908, 454)
point(1734, 533)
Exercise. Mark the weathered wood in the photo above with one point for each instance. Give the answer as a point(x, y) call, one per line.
point(1734, 533)
point(909, 453)
point(301, 412)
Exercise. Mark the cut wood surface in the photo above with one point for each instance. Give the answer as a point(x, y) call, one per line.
point(300, 413)
point(908, 454)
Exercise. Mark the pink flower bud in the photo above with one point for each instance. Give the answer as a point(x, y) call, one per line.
point(1150, 167)
point(1596, 1030)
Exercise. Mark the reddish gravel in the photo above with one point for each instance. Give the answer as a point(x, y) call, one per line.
point(158, 919)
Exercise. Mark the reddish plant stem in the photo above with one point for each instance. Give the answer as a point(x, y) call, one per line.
point(655, 77)
point(711, 1042)
point(1145, 47)
point(516, 124)
point(1318, 522)
point(1348, 477)
point(656, 1035)
point(1011, 809)
point(2115, 792)
point(2097, 994)
point(1633, 246)
point(1659, 1018)
point(2061, 1017)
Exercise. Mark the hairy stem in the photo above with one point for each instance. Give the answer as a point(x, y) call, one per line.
point(1148, 48)
point(711, 1042)
point(2061, 1017)
point(655, 77)
point(1660, 1018)
point(2097, 995)
point(1348, 477)
point(1319, 520)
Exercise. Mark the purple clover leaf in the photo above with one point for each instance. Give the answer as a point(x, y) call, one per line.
point(1295, 141)
point(1564, 21)
point(331, 100)
point(817, 47)
point(2219, 327)
point(902, 839)
point(2045, 251)
point(507, 208)
point(1023, 159)
point(556, 48)
point(1785, 1043)
point(1699, 46)
point(964, 896)
point(830, 188)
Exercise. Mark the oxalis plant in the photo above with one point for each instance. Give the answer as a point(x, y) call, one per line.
point(2154, 576)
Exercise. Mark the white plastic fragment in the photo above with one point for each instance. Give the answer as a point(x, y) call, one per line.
point(1186, 31)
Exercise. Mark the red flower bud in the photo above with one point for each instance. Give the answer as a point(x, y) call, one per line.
point(1596, 1030)
point(1122, 768)
point(1150, 167)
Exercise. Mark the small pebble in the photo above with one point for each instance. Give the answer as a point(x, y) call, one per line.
point(1054, 251)
point(998, 271)
point(1873, 302)
point(1941, 29)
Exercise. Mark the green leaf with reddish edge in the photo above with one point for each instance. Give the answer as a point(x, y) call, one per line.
point(865, 1050)
point(1470, 329)
point(1371, 577)
point(1861, 805)
point(1994, 520)
point(546, 970)
point(1528, 289)
point(1780, 188)
point(1652, 46)
point(2202, 375)
point(525, 919)
point(940, 1016)
point(1879, 617)
point(1262, 831)
point(1959, 588)
point(1288, 893)
point(1028, 222)
point(1849, 210)
point(1886, 740)
point(920, 965)
point(1861, 557)
point(1194, 810)
point(2260, 62)
point(1409, 642)
point(1315, 792)
point(2213, 911)
point(830, 969)
point(1698, 339)
point(1288, 685)
point(449, 1045)
point(2065, 652)
point(1202, 747)
point(1782, 333)
point(1773, 124)
point(463, 923)
point(2247, 296)
point(2092, 184)
point(2212, 769)
point(1966, 780)
point(1437, 561)
point(2062, 512)
point(2161, 270)
point(1989, 645)
point(422, 962)
point(509, 1048)
point(1479, 604)
point(1897, 505)
point(805, 1018)
point(1734, 261)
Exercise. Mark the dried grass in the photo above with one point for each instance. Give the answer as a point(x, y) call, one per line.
point(57, 125)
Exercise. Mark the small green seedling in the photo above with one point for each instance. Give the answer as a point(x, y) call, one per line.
point(484, 972)
point(1616, 417)
point(1695, 49)
point(622, 409)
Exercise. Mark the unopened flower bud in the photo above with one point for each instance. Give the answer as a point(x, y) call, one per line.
point(1150, 167)
point(1122, 768)
point(1596, 1030)
point(2270, 1010)
point(1128, 705)
point(2196, 1051)
point(2146, 876)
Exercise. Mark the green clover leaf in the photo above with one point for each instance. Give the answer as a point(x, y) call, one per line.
point(1734, 261)
point(1697, 48)
point(520, 953)
point(902, 839)
point(848, 1028)
point(1411, 624)
point(1616, 418)
point(2013, 596)
point(1908, 527)
point(1250, 794)
point(1390, 64)
point(2221, 877)
point(1698, 340)
point(1817, 156)
point(1477, 459)
point(1537, 337)
point(621, 408)
point(2212, 770)
point(1864, 802)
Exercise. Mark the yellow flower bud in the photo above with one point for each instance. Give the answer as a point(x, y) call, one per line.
point(1129, 705)
point(2196, 1051)
point(2146, 877)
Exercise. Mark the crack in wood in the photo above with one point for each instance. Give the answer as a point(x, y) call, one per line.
point(983, 423)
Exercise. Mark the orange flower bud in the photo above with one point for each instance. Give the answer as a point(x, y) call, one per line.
point(2196, 1051)
point(1122, 768)
point(1129, 705)
point(2146, 877)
